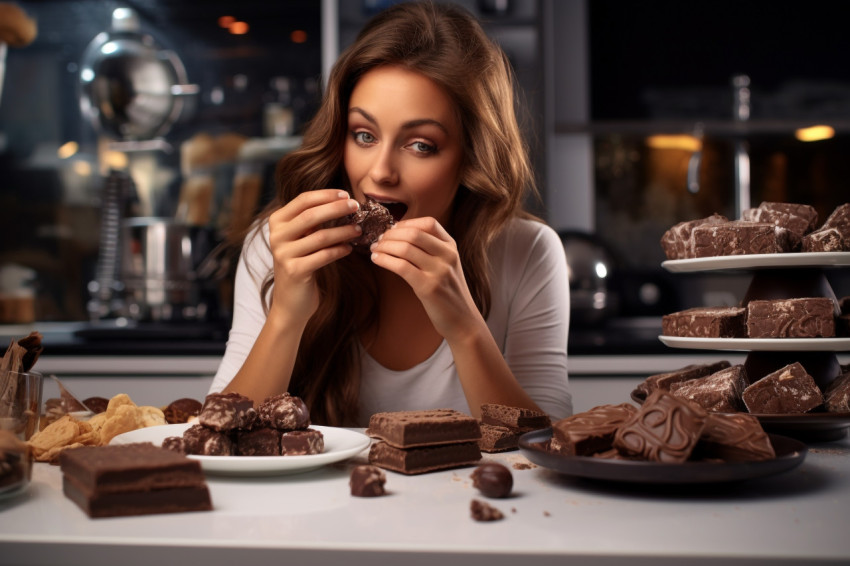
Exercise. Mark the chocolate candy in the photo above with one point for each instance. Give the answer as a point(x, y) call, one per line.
point(589, 432)
point(666, 380)
point(493, 480)
point(740, 238)
point(787, 390)
point(96, 404)
point(284, 412)
point(706, 322)
point(678, 242)
point(374, 219)
point(203, 441)
point(825, 240)
point(367, 481)
point(261, 441)
point(837, 395)
point(517, 419)
point(175, 444)
point(734, 438)
point(812, 317)
point(798, 219)
point(719, 392)
point(497, 439)
point(407, 429)
point(227, 411)
point(424, 459)
point(181, 410)
point(302, 442)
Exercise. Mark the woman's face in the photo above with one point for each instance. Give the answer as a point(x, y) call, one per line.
point(404, 146)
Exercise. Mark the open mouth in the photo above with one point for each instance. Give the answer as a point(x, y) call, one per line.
point(397, 209)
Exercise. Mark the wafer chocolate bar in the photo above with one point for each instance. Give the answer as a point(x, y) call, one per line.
point(406, 429)
point(412, 461)
point(120, 504)
point(515, 418)
point(497, 439)
point(666, 380)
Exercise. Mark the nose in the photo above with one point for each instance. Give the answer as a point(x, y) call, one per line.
point(384, 170)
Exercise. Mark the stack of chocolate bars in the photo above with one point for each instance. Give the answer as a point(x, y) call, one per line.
point(132, 479)
point(415, 442)
point(501, 426)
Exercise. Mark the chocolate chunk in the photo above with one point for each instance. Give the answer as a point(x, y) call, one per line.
point(203, 441)
point(677, 242)
point(665, 429)
point(837, 395)
point(798, 219)
point(367, 481)
point(839, 220)
point(734, 438)
point(787, 390)
point(665, 380)
point(791, 318)
point(302, 442)
point(405, 429)
point(425, 459)
point(181, 410)
point(227, 411)
point(719, 392)
point(284, 412)
point(481, 511)
point(515, 418)
point(492, 480)
point(261, 441)
point(825, 240)
point(591, 431)
point(740, 238)
point(497, 439)
point(706, 322)
point(374, 219)
point(96, 404)
point(175, 444)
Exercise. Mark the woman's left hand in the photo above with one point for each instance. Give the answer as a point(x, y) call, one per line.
point(421, 252)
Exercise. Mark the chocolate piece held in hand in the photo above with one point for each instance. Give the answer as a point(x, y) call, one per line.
point(493, 480)
point(374, 219)
point(367, 481)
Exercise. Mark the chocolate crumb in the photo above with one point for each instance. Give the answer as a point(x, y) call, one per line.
point(483, 512)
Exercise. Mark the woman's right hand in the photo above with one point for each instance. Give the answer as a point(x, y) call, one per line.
point(301, 245)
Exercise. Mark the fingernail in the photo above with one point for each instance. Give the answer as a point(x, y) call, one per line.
point(342, 194)
point(353, 204)
point(374, 256)
point(373, 245)
point(358, 227)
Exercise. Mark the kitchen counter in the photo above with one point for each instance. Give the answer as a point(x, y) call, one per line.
point(798, 517)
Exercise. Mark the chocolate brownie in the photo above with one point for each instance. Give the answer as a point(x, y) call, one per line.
point(412, 461)
point(665, 429)
point(677, 242)
point(719, 392)
point(740, 238)
point(259, 441)
point(227, 411)
point(302, 442)
point(837, 394)
point(734, 438)
point(203, 441)
point(791, 318)
point(367, 481)
point(405, 429)
point(787, 390)
point(666, 380)
point(497, 439)
point(706, 322)
point(591, 431)
point(798, 219)
point(517, 419)
point(284, 412)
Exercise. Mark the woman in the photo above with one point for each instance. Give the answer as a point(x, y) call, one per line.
point(465, 300)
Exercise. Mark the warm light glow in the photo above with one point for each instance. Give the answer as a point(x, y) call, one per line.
point(298, 36)
point(226, 21)
point(67, 149)
point(684, 142)
point(115, 159)
point(81, 168)
point(238, 28)
point(814, 133)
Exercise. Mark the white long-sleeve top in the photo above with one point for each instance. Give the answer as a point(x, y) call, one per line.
point(529, 320)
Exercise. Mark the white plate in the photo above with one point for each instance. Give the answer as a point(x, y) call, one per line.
point(813, 259)
point(340, 444)
point(759, 344)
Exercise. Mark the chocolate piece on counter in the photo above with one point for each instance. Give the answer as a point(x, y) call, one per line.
point(492, 480)
point(121, 504)
point(740, 238)
point(665, 429)
point(497, 439)
point(203, 441)
point(706, 322)
point(227, 411)
point(719, 392)
point(824, 240)
point(591, 431)
point(798, 219)
point(481, 511)
point(96, 404)
point(284, 412)
point(302, 442)
point(837, 394)
point(791, 318)
point(405, 429)
point(677, 242)
point(181, 410)
point(425, 459)
point(261, 441)
point(367, 481)
point(665, 380)
point(175, 444)
point(787, 390)
point(515, 418)
point(734, 438)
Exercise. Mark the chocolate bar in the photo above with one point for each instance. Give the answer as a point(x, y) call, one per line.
point(734, 438)
point(666, 380)
point(740, 238)
point(718, 392)
point(120, 504)
point(787, 390)
point(791, 318)
point(405, 429)
point(665, 429)
point(497, 439)
point(677, 242)
point(515, 418)
point(425, 459)
point(706, 322)
point(589, 432)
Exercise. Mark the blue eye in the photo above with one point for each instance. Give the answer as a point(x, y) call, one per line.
point(363, 138)
point(422, 147)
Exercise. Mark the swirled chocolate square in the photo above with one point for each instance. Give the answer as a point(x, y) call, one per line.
point(798, 219)
point(810, 317)
point(787, 390)
point(734, 438)
point(589, 432)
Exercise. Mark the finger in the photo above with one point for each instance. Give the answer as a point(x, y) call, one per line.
point(425, 224)
point(311, 199)
point(310, 219)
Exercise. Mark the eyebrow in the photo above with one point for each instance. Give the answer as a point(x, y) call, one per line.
point(407, 125)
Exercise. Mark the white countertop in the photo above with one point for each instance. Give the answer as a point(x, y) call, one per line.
point(800, 516)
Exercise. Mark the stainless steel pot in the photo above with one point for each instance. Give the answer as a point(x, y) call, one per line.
point(589, 266)
point(131, 89)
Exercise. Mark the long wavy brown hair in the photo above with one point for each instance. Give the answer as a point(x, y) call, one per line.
point(446, 44)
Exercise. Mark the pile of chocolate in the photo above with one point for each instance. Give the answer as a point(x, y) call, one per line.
point(723, 388)
point(228, 425)
point(773, 227)
point(665, 428)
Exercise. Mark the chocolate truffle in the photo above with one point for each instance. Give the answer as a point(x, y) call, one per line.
point(203, 441)
point(367, 481)
point(492, 480)
point(180, 410)
point(227, 411)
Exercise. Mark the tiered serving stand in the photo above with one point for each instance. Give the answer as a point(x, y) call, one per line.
point(780, 276)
